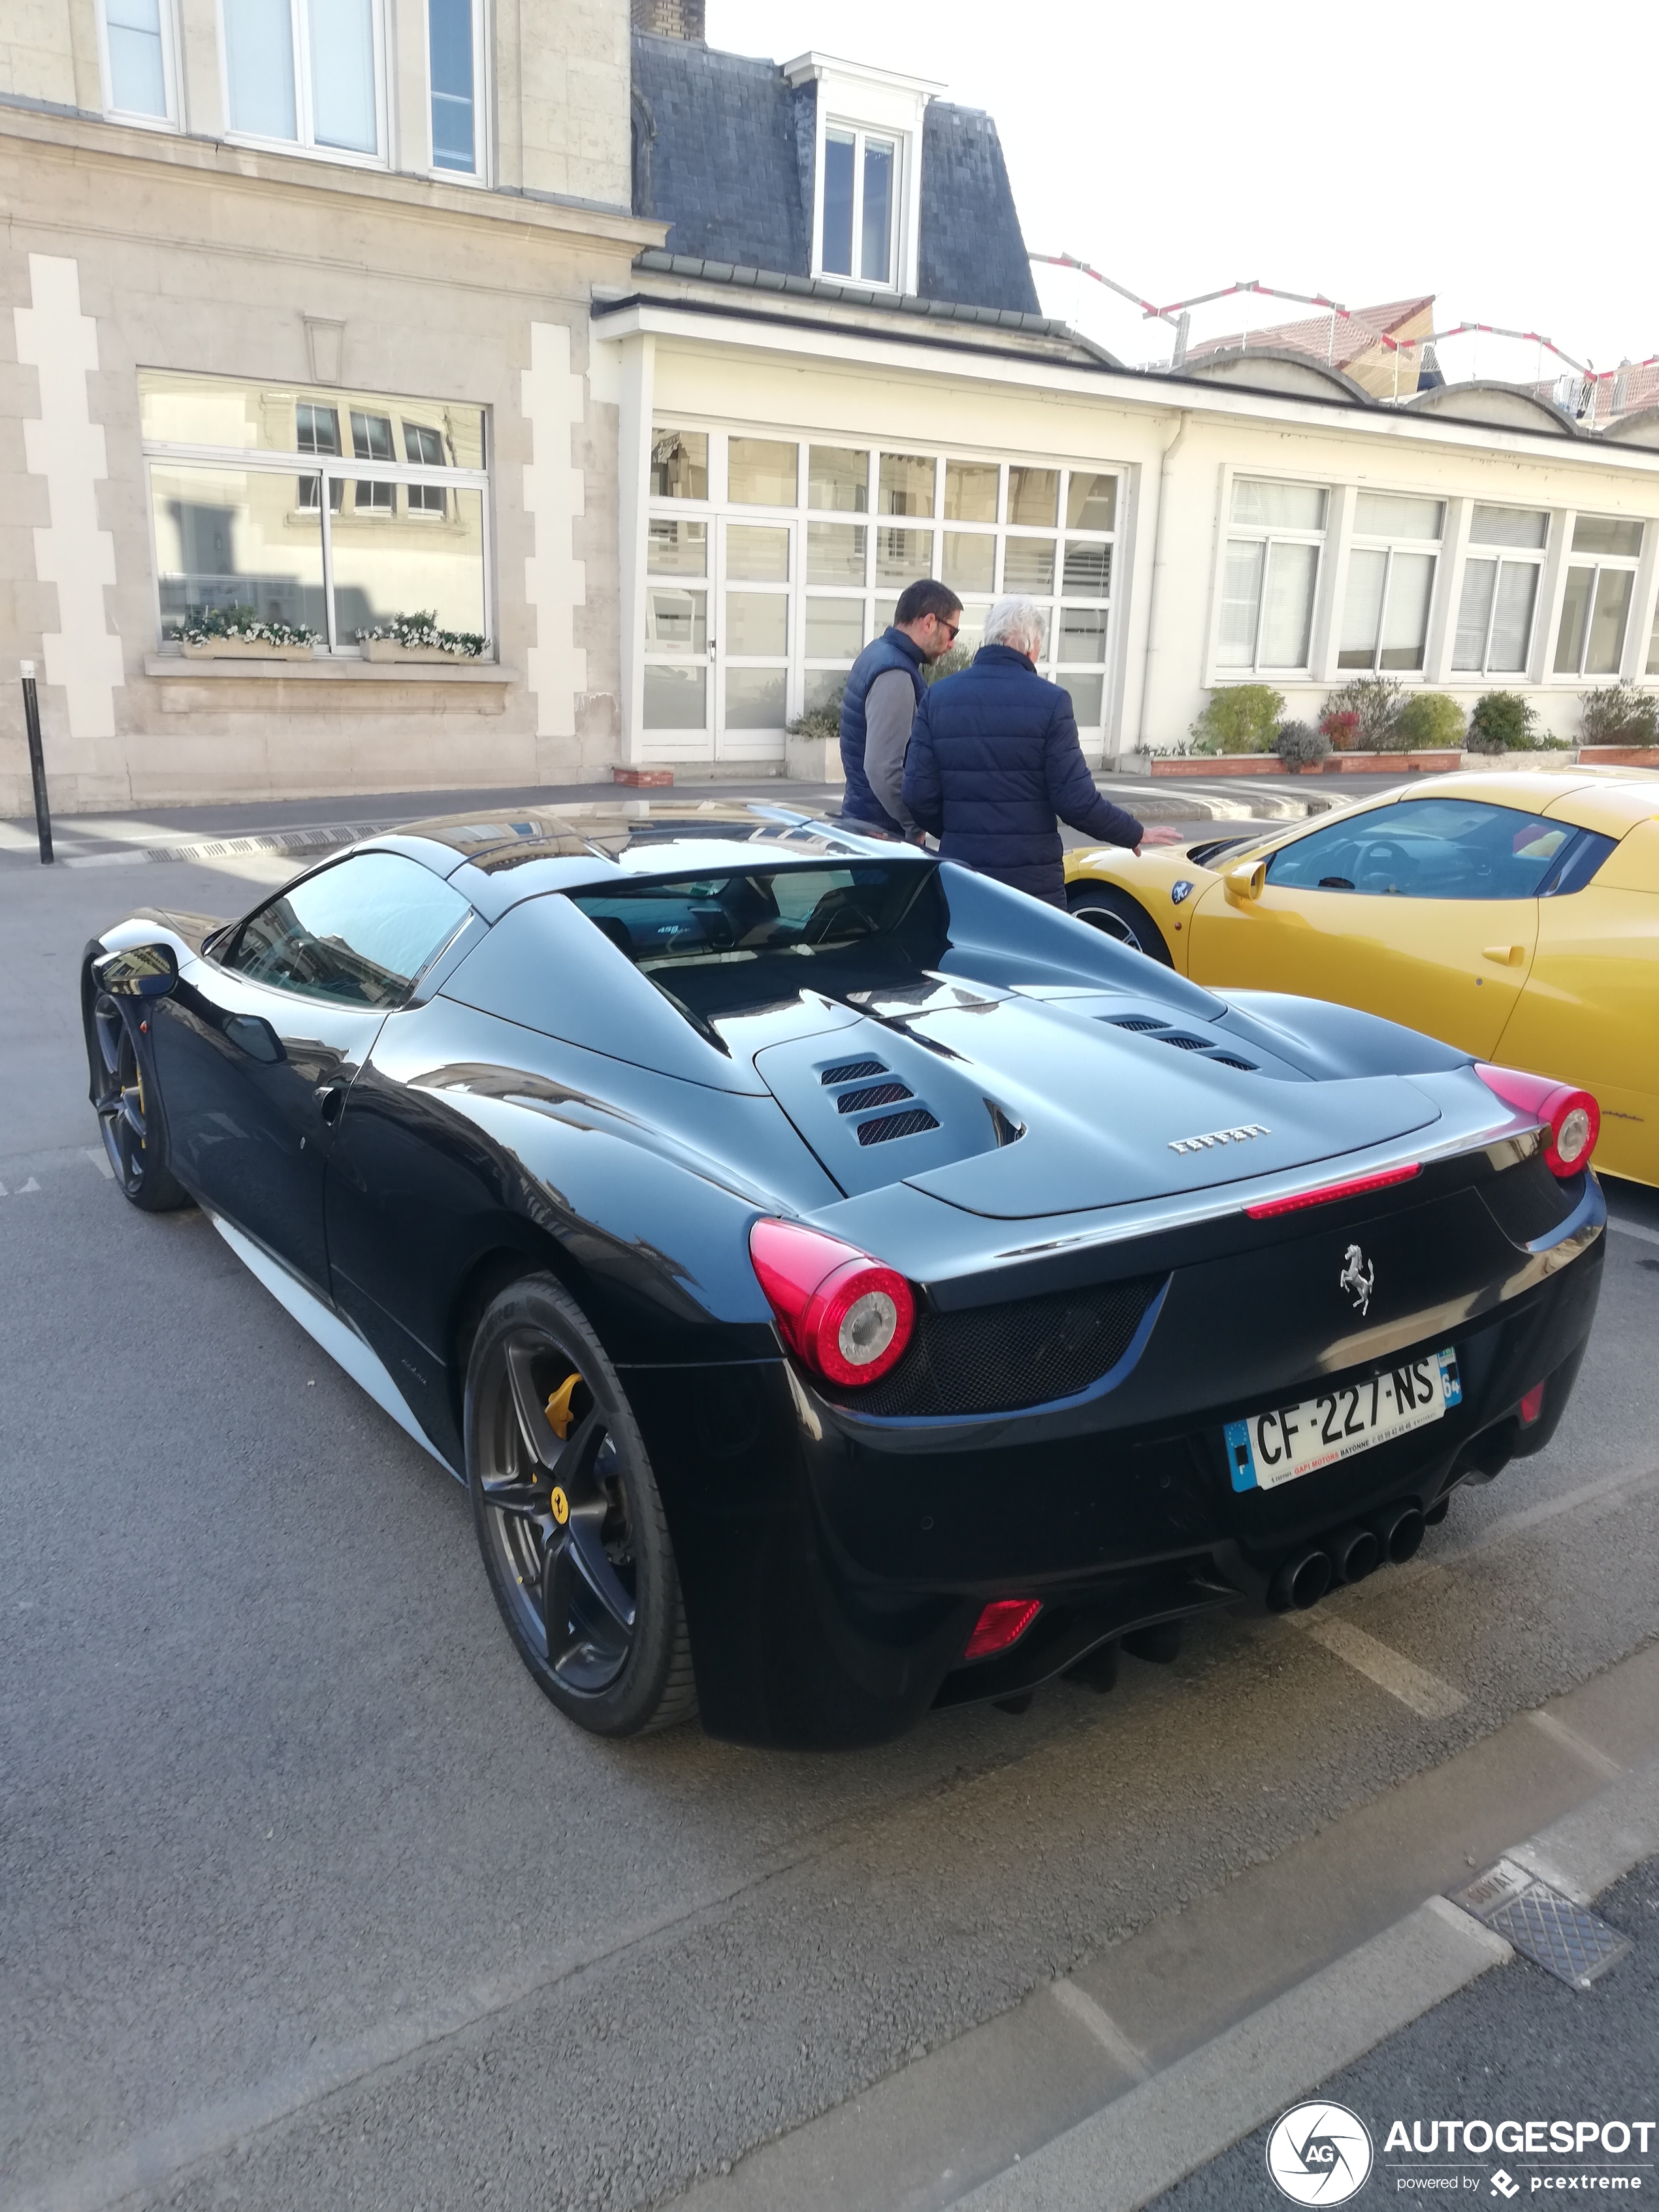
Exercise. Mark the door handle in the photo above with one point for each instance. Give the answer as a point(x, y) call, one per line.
point(330, 1099)
point(1504, 956)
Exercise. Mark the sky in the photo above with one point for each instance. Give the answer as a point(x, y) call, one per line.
point(1499, 157)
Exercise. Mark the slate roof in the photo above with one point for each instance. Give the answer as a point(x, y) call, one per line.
point(723, 153)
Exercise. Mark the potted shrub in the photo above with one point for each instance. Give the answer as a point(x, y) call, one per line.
point(1502, 722)
point(240, 633)
point(1428, 721)
point(1298, 744)
point(1375, 703)
point(417, 637)
point(1618, 719)
point(1240, 719)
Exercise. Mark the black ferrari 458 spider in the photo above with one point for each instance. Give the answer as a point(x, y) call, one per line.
point(845, 1286)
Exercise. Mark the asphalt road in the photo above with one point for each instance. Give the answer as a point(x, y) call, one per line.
point(312, 1900)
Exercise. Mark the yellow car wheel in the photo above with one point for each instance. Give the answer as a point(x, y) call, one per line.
point(1115, 913)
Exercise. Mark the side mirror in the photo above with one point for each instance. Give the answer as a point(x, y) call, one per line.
point(1242, 882)
point(144, 972)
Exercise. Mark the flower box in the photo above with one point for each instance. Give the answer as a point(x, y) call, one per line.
point(387, 649)
point(245, 648)
point(1203, 764)
point(1619, 756)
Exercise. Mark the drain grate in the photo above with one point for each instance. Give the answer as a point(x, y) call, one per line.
point(1566, 1939)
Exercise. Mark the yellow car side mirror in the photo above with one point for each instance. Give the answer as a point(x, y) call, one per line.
point(1244, 881)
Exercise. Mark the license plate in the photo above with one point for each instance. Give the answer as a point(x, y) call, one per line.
point(1351, 1417)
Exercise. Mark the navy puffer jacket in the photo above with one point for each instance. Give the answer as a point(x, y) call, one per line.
point(994, 766)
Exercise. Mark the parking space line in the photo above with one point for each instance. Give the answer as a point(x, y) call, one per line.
point(1579, 1745)
point(100, 1159)
point(1104, 2029)
point(1634, 1229)
point(1425, 1693)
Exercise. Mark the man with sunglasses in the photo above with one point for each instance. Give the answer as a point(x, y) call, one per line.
point(879, 705)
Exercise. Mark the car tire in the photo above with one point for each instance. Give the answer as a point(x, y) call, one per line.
point(568, 1518)
point(134, 1133)
point(1116, 914)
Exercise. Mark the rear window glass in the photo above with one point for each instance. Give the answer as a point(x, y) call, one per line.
point(720, 940)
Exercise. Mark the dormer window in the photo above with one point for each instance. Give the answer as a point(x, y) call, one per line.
point(866, 202)
point(860, 172)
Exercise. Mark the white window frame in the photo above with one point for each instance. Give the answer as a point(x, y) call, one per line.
point(482, 103)
point(715, 742)
point(304, 143)
point(330, 467)
point(1631, 564)
point(1534, 556)
point(166, 12)
point(1372, 541)
point(862, 134)
point(1268, 535)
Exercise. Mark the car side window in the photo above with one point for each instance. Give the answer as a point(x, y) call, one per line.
point(1440, 848)
point(360, 932)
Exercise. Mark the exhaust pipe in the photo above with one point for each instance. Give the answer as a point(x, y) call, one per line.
point(1302, 1581)
point(1399, 1533)
point(1355, 1554)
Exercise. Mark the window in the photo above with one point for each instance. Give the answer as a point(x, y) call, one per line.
point(306, 73)
point(803, 566)
point(139, 44)
point(859, 200)
point(1653, 646)
point(1385, 621)
point(1445, 848)
point(1500, 592)
point(452, 59)
point(251, 526)
point(360, 932)
point(1270, 570)
point(1596, 606)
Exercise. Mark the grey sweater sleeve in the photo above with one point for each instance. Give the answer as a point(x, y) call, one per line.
point(889, 707)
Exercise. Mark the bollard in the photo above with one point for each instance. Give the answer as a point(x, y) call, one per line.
point(37, 762)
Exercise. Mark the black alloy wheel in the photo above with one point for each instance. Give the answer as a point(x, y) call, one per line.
point(1115, 913)
point(568, 1517)
point(132, 1133)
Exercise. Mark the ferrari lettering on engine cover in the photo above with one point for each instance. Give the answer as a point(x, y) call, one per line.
point(1219, 1137)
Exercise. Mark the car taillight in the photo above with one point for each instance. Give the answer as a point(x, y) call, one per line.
point(846, 1315)
point(1003, 1622)
point(1328, 1193)
point(1571, 1116)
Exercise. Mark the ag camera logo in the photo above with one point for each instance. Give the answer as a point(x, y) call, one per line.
point(1319, 2154)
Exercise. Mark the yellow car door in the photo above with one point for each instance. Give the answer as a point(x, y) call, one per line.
point(1589, 1013)
point(1425, 911)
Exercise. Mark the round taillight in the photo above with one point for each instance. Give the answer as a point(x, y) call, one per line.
point(847, 1316)
point(1571, 1116)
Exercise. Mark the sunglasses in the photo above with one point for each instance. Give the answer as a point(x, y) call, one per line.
point(952, 626)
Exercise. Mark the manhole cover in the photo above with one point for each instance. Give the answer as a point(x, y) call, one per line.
point(1565, 1939)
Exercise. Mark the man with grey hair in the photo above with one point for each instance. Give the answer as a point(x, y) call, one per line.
point(994, 765)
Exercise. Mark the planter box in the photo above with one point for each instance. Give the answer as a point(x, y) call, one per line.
point(387, 649)
point(1619, 756)
point(1435, 763)
point(644, 779)
point(245, 648)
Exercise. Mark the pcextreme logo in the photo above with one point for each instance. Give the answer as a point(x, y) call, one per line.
point(1587, 2157)
point(1319, 2154)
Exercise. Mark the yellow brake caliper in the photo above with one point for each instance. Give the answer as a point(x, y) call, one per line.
point(559, 1418)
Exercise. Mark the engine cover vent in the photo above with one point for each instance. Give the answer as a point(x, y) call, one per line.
point(888, 1126)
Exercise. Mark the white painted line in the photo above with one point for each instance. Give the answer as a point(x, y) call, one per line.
point(1104, 2029)
point(1579, 1745)
point(1123, 2156)
point(24, 1189)
point(1634, 1229)
point(100, 1159)
point(1425, 1693)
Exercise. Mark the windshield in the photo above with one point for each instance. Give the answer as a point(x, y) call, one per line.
point(743, 938)
point(1444, 848)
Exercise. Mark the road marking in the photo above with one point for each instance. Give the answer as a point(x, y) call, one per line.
point(1579, 1745)
point(1425, 1693)
point(23, 1190)
point(1099, 2023)
point(100, 1159)
point(1634, 1229)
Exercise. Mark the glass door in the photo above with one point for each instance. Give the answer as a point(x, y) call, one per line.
point(757, 570)
point(679, 659)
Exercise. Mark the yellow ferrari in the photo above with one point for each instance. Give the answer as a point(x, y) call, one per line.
point(1514, 915)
